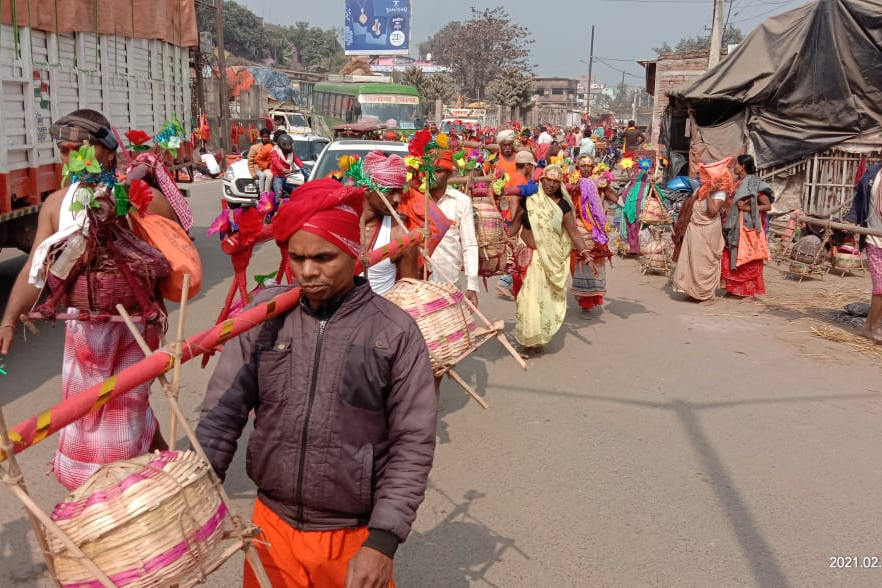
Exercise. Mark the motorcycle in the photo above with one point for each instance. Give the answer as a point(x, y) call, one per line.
point(296, 178)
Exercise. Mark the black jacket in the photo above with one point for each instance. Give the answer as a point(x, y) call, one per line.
point(344, 415)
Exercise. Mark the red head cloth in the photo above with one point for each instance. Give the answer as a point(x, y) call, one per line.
point(385, 172)
point(444, 160)
point(325, 209)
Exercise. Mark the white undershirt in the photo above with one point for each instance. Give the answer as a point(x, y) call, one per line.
point(382, 275)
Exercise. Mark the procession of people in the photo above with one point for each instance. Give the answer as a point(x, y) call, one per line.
point(342, 389)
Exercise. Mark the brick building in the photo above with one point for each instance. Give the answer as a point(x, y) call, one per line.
point(669, 71)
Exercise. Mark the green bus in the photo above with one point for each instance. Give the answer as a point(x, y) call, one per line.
point(351, 102)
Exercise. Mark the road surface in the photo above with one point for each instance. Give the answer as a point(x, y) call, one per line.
point(659, 443)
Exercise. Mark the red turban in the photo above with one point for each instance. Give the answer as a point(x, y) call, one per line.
point(445, 160)
point(385, 172)
point(325, 209)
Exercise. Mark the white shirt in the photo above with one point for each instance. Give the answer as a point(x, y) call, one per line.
point(459, 247)
point(211, 163)
point(586, 147)
point(545, 138)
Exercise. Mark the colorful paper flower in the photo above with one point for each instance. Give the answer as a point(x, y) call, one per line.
point(140, 195)
point(137, 137)
point(221, 225)
point(418, 143)
point(442, 141)
point(266, 204)
point(627, 163)
point(645, 164)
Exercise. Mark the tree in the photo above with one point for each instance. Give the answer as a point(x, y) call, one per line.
point(243, 32)
point(432, 87)
point(511, 89)
point(731, 36)
point(476, 51)
point(622, 101)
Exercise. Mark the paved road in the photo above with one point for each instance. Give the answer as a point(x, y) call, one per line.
point(657, 444)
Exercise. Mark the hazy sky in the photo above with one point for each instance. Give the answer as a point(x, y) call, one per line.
point(626, 30)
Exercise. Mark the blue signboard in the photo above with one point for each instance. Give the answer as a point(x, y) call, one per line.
point(377, 27)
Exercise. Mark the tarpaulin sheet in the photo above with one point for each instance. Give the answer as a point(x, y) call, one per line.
point(276, 83)
point(809, 78)
point(172, 21)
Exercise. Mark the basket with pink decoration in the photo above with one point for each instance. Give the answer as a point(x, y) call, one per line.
point(490, 233)
point(155, 520)
point(440, 312)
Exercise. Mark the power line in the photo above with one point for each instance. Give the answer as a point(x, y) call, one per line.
point(614, 68)
point(761, 14)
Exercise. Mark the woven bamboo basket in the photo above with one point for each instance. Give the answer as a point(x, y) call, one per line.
point(847, 261)
point(653, 212)
point(155, 520)
point(442, 316)
point(800, 268)
point(807, 250)
point(656, 260)
point(489, 228)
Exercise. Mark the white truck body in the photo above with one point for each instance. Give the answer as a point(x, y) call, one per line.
point(136, 83)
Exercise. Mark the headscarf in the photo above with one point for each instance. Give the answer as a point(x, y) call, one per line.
point(385, 172)
point(591, 210)
point(326, 209)
point(444, 160)
point(506, 136)
point(77, 129)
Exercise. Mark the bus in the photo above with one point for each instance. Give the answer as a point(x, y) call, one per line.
point(397, 105)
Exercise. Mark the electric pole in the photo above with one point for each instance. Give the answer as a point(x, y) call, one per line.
point(223, 95)
point(716, 38)
point(590, 79)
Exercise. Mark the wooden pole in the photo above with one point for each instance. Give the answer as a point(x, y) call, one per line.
point(819, 222)
point(13, 477)
point(173, 390)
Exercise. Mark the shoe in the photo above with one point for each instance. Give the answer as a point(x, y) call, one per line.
point(505, 292)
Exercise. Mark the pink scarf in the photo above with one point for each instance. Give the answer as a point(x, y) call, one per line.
point(591, 210)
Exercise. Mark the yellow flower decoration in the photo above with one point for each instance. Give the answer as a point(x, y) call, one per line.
point(627, 163)
point(413, 161)
point(442, 141)
point(346, 161)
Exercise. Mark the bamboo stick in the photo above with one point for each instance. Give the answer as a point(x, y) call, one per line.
point(818, 222)
point(13, 476)
point(174, 389)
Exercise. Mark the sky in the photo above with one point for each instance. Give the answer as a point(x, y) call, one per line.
point(625, 30)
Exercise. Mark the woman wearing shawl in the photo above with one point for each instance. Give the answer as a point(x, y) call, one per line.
point(589, 279)
point(550, 230)
point(698, 266)
point(753, 199)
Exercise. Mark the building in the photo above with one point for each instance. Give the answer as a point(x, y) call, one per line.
point(399, 63)
point(667, 72)
point(556, 101)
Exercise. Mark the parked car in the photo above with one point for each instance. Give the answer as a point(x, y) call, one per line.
point(327, 161)
point(240, 189)
point(294, 123)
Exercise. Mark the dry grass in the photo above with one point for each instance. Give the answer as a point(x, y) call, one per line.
point(819, 306)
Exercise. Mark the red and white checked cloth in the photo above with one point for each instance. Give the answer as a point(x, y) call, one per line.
point(167, 186)
point(121, 429)
point(874, 262)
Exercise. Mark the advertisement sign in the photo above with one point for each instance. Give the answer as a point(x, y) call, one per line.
point(377, 27)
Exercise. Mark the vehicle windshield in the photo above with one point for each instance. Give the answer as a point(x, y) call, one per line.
point(297, 120)
point(309, 150)
point(328, 163)
point(407, 116)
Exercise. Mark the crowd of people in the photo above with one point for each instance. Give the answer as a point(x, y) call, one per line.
point(341, 388)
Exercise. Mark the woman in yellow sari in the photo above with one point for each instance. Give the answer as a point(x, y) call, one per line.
point(549, 228)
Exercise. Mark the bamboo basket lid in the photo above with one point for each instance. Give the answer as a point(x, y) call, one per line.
point(154, 520)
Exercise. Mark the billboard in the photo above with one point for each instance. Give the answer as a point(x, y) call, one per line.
point(377, 27)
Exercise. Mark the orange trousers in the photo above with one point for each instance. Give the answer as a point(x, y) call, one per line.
point(302, 559)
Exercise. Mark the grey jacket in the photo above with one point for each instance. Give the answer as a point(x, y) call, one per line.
point(344, 415)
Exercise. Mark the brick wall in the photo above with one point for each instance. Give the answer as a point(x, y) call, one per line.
point(673, 70)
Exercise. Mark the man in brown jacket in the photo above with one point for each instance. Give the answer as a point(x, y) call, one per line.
point(344, 409)
point(258, 162)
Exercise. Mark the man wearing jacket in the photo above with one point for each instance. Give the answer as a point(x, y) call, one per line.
point(342, 393)
point(866, 211)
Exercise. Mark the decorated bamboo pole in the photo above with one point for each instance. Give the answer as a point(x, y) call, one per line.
point(173, 390)
point(37, 428)
point(13, 478)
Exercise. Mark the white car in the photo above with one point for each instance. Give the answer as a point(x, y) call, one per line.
point(327, 161)
point(240, 189)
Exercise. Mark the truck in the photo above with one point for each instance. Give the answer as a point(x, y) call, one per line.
point(49, 68)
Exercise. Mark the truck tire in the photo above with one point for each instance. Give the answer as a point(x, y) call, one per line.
point(19, 232)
